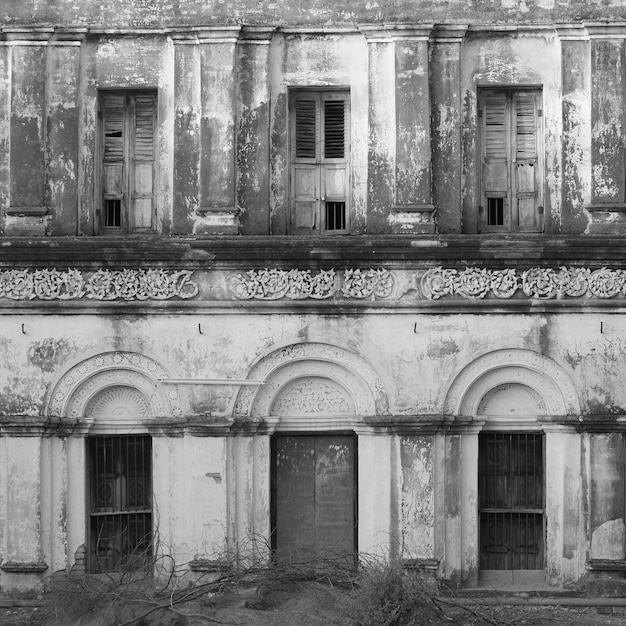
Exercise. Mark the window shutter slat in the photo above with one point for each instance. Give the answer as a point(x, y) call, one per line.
point(495, 126)
point(305, 128)
point(334, 129)
point(525, 126)
point(114, 127)
point(144, 127)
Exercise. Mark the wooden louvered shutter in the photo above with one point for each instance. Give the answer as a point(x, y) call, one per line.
point(142, 181)
point(114, 161)
point(511, 160)
point(305, 163)
point(319, 161)
point(526, 165)
point(335, 164)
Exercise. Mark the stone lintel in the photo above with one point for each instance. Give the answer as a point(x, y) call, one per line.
point(18, 567)
point(449, 33)
point(209, 565)
point(26, 210)
point(607, 30)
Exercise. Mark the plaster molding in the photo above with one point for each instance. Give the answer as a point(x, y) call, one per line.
point(103, 284)
point(303, 360)
point(73, 394)
point(500, 367)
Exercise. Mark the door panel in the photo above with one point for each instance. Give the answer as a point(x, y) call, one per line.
point(314, 501)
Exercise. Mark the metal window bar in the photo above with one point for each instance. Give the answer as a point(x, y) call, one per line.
point(120, 508)
point(511, 501)
point(335, 215)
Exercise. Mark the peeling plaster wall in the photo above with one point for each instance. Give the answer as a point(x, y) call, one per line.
point(426, 515)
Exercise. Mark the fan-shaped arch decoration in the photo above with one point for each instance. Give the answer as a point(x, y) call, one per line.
point(118, 403)
point(360, 384)
point(552, 387)
point(76, 392)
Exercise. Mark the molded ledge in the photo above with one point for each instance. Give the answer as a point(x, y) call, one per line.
point(16, 567)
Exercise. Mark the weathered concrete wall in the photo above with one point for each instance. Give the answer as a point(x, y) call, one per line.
point(416, 362)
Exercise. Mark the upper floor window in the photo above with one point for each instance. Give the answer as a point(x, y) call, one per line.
point(128, 122)
point(511, 144)
point(320, 161)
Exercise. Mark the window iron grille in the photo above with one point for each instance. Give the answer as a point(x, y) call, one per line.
point(511, 501)
point(120, 510)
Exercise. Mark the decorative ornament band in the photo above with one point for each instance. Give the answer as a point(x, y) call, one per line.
point(537, 282)
point(274, 284)
point(72, 284)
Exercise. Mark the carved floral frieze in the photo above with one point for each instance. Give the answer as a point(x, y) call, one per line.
point(274, 284)
point(72, 284)
point(538, 282)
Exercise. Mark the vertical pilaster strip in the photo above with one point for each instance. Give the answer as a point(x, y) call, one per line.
point(23, 529)
point(608, 118)
point(607, 525)
point(381, 152)
point(62, 132)
point(27, 134)
point(446, 111)
point(187, 133)
point(253, 123)
point(5, 128)
point(576, 144)
point(217, 155)
point(412, 212)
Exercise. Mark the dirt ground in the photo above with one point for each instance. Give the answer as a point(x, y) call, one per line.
point(309, 604)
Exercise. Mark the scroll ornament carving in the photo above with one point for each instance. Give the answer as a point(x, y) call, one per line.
point(107, 285)
point(366, 284)
point(537, 282)
point(273, 284)
point(312, 397)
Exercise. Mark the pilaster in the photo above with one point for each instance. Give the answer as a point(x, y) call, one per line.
point(27, 213)
point(608, 118)
point(413, 209)
point(217, 210)
point(252, 133)
point(381, 154)
point(446, 111)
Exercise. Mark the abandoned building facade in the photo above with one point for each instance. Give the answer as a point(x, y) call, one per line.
point(282, 282)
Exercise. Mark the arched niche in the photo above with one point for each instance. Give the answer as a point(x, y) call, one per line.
point(115, 389)
point(540, 382)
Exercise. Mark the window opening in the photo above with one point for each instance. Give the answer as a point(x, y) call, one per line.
point(120, 507)
point(495, 209)
point(511, 501)
point(128, 158)
point(319, 186)
point(512, 163)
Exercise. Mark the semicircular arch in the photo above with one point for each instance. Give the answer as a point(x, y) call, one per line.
point(540, 373)
point(280, 368)
point(119, 372)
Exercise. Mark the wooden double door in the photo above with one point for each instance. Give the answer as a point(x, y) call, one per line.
point(314, 502)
